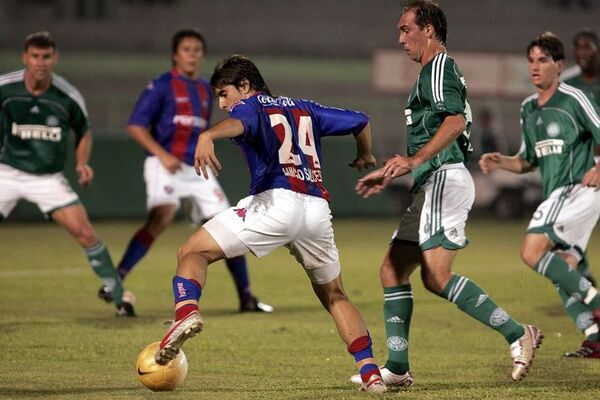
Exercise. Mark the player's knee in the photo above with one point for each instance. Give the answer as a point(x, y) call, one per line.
point(530, 256)
point(434, 281)
point(86, 236)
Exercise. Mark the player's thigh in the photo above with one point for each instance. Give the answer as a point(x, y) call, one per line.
point(259, 223)
point(568, 217)
point(449, 196)
point(50, 192)
point(314, 246)
point(161, 186)
point(10, 189)
point(202, 242)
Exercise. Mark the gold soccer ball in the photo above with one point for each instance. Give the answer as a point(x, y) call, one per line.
point(158, 377)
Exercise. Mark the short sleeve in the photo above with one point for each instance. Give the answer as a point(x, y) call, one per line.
point(248, 114)
point(447, 87)
point(148, 104)
point(335, 121)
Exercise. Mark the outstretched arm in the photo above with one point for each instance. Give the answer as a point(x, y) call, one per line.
point(205, 156)
point(85, 173)
point(452, 127)
point(364, 154)
point(492, 161)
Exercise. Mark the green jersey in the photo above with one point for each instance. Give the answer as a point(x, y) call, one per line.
point(439, 91)
point(559, 136)
point(573, 77)
point(35, 128)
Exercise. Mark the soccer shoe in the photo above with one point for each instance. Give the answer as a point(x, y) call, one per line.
point(588, 349)
point(389, 378)
point(374, 385)
point(522, 351)
point(105, 294)
point(125, 308)
point(178, 333)
point(253, 305)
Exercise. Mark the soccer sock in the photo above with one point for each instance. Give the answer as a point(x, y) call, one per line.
point(397, 312)
point(185, 290)
point(362, 352)
point(239, 271)
point(580, 313)
point(102, 265)
point(137, 248)
point(584, 269)
point(560, 273)
point(471, 299)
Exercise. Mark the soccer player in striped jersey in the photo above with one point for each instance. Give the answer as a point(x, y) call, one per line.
point(166, 121)
point(288, 203)
point(432, 229)
point(37, 111)
point(559, 125)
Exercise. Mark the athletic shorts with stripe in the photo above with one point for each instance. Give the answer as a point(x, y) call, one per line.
point(439, 211)
point(48, 191)
point(163, 187)
point(568, 217)
point(280, 217)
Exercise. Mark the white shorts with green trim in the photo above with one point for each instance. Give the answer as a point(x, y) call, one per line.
point(48, 191)
point(281, 217)
point(439, 211)
point(568, 217)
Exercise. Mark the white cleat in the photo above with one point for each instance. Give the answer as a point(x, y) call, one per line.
point(389, 378)
point(178, 333)
point(374, 385)
point(522, 351)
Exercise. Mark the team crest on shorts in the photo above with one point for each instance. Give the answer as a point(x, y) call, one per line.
point(241, 212)
point(169, 189)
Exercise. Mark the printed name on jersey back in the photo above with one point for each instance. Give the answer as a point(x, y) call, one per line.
point(304, 174)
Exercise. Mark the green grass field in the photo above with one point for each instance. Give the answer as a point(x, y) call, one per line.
point(60, 342)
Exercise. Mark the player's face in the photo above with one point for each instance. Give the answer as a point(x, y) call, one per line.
point(543, 70)
point(229, 95)
point(189, 57)
point(40, 62)
point(412, 38)
point(587, 55)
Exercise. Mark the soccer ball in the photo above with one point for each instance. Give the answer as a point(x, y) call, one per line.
point(158, 377)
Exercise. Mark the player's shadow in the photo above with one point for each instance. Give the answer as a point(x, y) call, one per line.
point(15, 393)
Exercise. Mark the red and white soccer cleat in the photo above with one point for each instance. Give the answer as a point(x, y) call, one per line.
point(180, 331)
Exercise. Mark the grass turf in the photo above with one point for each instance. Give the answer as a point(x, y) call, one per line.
point(60, 342)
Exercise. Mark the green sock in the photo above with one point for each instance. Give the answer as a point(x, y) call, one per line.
point(584, 269)
point(580, 313)
point(102, 265)
point(397, 312)
point(469, 297)
point(560, 273)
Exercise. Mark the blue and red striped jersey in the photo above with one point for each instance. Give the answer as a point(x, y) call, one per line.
point(282, 140)
point(176, 110)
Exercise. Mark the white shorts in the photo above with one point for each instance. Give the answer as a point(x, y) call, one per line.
point(439, 211)
point(48, 191)
point(280, 217)
point(162, 188)
point(568, 217)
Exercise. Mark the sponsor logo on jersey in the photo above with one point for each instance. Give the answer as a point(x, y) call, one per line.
point(52, 121)
point(395, 320)
point(37, 132)
point(397, 343)
point(498, 317)
point(34, 110)
point(276, 101)
point(553, 129)
point(190, 120)
point(182, 99)
point(304, 174)
point(549, 147)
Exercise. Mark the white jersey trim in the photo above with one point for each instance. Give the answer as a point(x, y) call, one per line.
point(12, 77)
point(570, 73)
point(437, 77)
point(70, 91)
point(583, 101)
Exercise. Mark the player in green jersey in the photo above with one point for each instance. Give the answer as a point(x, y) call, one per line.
point(432, 229)
point(37, 110)
point(559, 124)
